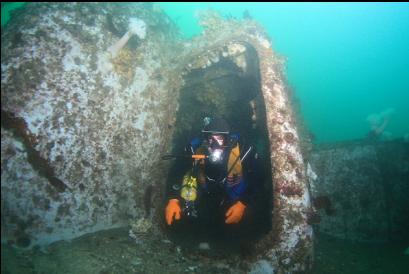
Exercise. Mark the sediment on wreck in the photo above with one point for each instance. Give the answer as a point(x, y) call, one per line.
point(101, 123)
point(83, 130)
point(361, 190)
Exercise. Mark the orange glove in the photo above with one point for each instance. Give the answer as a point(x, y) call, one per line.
point(172, 209)
point(235, 213)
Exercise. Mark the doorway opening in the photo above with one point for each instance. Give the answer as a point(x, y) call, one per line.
point(230, 89)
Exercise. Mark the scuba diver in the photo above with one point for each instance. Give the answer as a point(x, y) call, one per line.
point(215, 191)
point(378, 123)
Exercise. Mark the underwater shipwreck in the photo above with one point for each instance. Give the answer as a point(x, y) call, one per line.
point(93, 95)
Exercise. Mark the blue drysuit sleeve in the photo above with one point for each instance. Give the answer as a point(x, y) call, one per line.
point(236, 188)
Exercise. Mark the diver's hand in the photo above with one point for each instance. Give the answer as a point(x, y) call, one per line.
point(235, 213)
point(172, 210)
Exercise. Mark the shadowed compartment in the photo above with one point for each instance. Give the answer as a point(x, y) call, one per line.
point(228, 88)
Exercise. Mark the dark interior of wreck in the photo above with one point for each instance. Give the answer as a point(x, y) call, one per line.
point(225, 90)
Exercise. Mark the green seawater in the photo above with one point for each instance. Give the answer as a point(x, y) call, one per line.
point(6, 9)
point(345, 61)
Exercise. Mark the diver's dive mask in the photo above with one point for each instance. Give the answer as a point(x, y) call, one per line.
point(216, 148)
